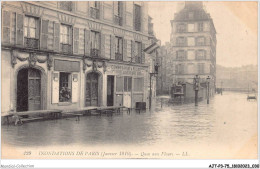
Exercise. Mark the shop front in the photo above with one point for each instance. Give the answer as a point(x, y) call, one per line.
point(125, 84)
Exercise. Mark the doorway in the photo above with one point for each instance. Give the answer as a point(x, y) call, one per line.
point(28, 90)
point(110, 90)
point(92, 89)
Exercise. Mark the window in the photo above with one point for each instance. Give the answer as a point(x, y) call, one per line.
point(127, 84)
point(119, 84)
point(201, 68)
point(191, 55)
point(180, 55)
point(201, 41)
point(137, 18)
point(180, 41)
point(66, 5)
point(138, 52)
point(138, 84)
point(95, 44)
point(31, 32)
point(191, 27)
point(65, 87)
point(118, 13)
point(200, 26)
point(201, 54)
point(65, 38)
point(119, 48)
point(94, 9)
point(191, 15)
point(179, 69)
point(191, 41)
point(190, 68)
point(181, 28)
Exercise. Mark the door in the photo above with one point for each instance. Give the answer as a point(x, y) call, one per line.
point(127, 91)
point(28, 90)
point(34, 89)
point(110, 90)
point(91, 89)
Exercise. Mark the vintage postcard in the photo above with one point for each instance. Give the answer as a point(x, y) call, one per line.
point(129, 80)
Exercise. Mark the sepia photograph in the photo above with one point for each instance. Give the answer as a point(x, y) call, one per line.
point(140, 80)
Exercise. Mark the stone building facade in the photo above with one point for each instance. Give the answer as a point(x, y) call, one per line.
point(193, 45)
point(69, 54)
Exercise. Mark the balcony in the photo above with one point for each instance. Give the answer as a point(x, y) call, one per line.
point(95, 53)
point(118, 56)
point(66, 48)
point(94, 13)
point(31, 43)
point(118, 20)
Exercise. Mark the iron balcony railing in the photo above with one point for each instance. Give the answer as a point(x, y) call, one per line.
point(118, 56)
point(31, 43)
point(94, 12)
point(118, 20)
point(66, 48)
point(95, 53)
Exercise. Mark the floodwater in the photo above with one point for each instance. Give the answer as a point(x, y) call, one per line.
point(228, 120)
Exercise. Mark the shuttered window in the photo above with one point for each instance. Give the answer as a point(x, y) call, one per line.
point(64, 34)
point(137, 17)
point(30, 27)
point(138, 52)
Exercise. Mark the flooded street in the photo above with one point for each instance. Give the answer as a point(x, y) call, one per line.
point(229, 120)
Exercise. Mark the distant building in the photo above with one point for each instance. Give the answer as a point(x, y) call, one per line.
point(192, 45)
point(71, 54)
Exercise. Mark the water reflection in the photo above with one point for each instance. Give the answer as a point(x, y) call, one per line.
point(174, 124)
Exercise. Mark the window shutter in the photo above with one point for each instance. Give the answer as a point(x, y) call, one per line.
point(56, 43)
point(132, 51)
point(185, 54)
point(55, 87)
point(76, 40)
point(87, 42)
point(44, 34)
point(112, 46)
point(37, 31)
point(6, 27)
point(143, 53)
point(103, 45)
point(75, 88)
point(20, 36)
point(125, 58)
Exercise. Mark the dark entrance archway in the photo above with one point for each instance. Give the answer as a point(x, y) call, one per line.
point(91, 98)
point(28, 89)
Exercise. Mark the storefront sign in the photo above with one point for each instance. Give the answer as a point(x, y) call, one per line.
point(125, 70)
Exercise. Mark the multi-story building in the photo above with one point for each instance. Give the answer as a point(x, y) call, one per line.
point(69, 54)
point(193, 45)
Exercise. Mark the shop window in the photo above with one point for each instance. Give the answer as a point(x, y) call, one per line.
point(138, 84)
point(65, 38)
point(137, 17)
point(127, 84)
point(31, 32)
point(65, 87)
point(119, 84)
point(95, 44)
point(119, 48)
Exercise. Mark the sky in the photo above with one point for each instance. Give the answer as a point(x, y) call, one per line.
point(235, 23)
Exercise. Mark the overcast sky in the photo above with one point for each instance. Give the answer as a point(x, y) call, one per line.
point(235, 23)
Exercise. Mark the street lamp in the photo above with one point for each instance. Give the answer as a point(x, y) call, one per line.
point(156, 67)
point(208, 80)
point(196, 86)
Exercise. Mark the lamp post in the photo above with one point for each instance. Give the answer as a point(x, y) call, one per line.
point(196, 86)
point(151, 75)
point(208, 80)
point(221, 87)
